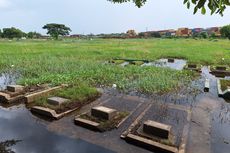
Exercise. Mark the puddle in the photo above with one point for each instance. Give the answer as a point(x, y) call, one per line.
point(19, 124)
point(7, 78)
point(220, 129)
point(178, 64)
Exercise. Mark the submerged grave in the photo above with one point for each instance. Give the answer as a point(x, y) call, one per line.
point(193, 67)
point(56, 107)
point(160, 127)
point(220, 71)
point(101, 119)
point(223, 88)
point(18, 93)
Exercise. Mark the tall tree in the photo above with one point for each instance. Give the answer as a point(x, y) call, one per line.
point(56, 30)
point(216, 6)
point(225, 31)
point(12, 33)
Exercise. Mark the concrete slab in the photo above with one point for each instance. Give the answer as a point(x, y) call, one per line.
point(171, 60)
point(226, 94)
point(15, 88)
point(32, 97)
point(4, 97)
point(219, 90)
point(221, 68)
point(193, 66)
point(103, 112)
point(157, 129)
point(44, 111)
point(149, 144)
point(86, 123)
point(57, 101)
point(207, 85)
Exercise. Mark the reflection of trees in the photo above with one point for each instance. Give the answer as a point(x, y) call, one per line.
point(4, 146)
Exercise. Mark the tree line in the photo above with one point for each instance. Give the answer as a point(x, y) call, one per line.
point(55, 30)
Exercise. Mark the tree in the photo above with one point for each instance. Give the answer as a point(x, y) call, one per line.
point(216, 6)
point(12, 33)
point(56, 30)
point(33, 35)
point(0, 33)
point(204, 35)
point(131, 33)
point(225, 31)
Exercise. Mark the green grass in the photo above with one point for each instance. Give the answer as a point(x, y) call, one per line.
point(106, 125)
point(82, 61)
point(77, 94)
point(224, 84)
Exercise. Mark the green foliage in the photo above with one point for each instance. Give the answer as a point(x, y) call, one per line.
point(138, 3)
point(225, 31)
point(56, 30)
point(204, 35)
point(33, 35)
point(78, 93)
point(0, 33)
point(75, 61)
point(12, 33)
point(216, 6)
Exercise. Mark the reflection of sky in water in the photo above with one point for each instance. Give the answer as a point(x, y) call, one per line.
point(178, 64)
point(220, 129)
point(18, 124)
point(6, 79)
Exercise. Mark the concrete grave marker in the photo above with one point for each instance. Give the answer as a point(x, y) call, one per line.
point(57, 101)
point(221, 68)
point(103, 112)
point(171, 60)
point(15, 88)
point(207, 85)
point(157, 129)
point(193, 66)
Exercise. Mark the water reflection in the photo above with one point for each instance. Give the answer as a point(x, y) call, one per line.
point(220, 129)
point(7, 78)
point(19, 124)
point(4, 146)
point(178, 64)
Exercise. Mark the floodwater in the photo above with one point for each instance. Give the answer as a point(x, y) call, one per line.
point(18, 124)
point(178, 64)
point(22, 132)
point(7, 78)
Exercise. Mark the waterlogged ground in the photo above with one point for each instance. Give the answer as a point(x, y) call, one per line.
point(209, 130)
point(80, 61)
point(32, 135)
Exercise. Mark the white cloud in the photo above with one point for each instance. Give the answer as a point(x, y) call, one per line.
point(4, 3)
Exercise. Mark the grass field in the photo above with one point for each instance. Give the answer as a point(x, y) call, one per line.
point(80, 62)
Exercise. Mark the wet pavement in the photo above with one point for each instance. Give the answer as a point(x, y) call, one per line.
point(209, 130)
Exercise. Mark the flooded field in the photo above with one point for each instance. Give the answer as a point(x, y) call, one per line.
point(25, 132)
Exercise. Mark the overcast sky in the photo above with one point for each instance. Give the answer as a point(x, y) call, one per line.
point(101, 16)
